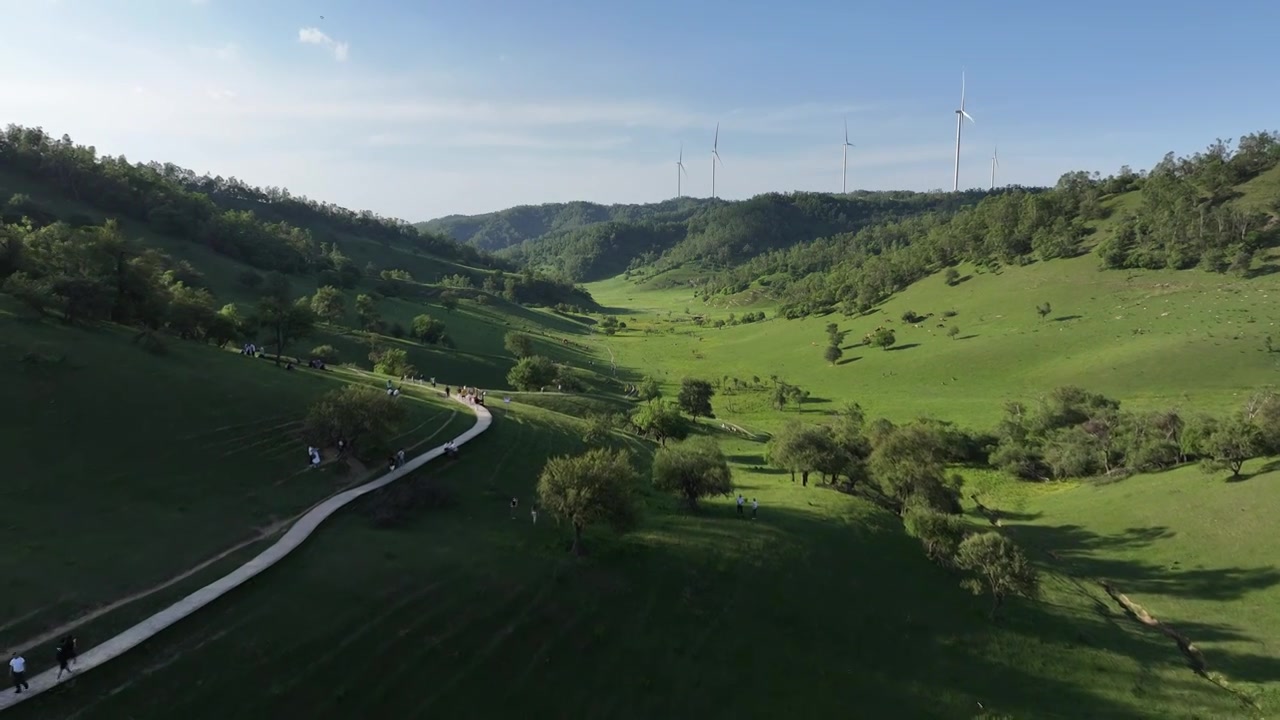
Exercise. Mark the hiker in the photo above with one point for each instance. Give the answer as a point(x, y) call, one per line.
point(741, 500)
point(755, 508)
point(446, 391)
point(73, 649)
point(514, 503)
point(311, 456)
point(533, 512)
point(388, 383)
point(18, 669)
point(400, 457)
point(391, 463)
point(63, 657)
point(433, 382)
point(342, 446)
point(315, 457)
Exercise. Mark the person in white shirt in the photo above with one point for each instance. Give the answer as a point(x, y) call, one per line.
point(741, 500)
point(755, 507)
point(18, 668)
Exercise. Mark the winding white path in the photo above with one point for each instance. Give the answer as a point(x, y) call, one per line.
point(300, 531)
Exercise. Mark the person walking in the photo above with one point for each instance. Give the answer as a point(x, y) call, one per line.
point(64, 659)
point(18, 669)
point(514, 504)
point(741, 501)
point(755, 508)
point(533, 512)
point(73, 649)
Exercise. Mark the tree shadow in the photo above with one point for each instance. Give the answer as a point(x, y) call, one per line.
point(967, 337)
point(907, 346)
point(1065, 318)
point(848, 360)
point(1078, 550)
point(960, 280)
point(811, 400)
point(1263, 270)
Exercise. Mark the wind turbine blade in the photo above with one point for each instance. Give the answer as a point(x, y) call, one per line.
point(716, 143)
point(975, 122)
point(846, 131)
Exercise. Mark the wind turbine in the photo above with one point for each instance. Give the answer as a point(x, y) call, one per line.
point(715, 158)
point(960, 118)
point(680, 169)
point(995, 163)
point(844, 159)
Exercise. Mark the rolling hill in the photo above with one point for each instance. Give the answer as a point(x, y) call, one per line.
point(823, 605)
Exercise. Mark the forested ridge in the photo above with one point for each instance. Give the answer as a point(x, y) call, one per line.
point(584, 242)
point(269, 229)
point(1186, 215)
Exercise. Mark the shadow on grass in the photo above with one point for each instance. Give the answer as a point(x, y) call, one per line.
point(966, 337)
point(907, 346)
point(848, 360)
point(1080, 552)
point(1065, 318)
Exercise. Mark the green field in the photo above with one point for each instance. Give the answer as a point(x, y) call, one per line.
point(136, 477)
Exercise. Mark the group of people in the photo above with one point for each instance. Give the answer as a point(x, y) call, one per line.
point(755, 506)
point(392, 390)
point(66, 654)
point(396, 460)
point(475, 396)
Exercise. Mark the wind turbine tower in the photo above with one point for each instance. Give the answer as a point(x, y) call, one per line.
point(995, 163)
point(680, 170)
point(715, 158)
point(961, 116)
point(844, 159)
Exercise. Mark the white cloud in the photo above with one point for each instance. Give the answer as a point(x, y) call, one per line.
point(314, 36)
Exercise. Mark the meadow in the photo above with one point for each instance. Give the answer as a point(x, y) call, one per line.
point(131, 468)
point(821, 606)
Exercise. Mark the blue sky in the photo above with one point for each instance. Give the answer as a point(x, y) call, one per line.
point(421, 109)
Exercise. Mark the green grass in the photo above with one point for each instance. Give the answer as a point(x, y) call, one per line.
point(819, 606)
point(1112, 332)
point(130, 468)
point(1196, 551)
point(822, 607)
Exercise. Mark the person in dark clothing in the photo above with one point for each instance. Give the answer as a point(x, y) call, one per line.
point(64, 659)
point(73, 649)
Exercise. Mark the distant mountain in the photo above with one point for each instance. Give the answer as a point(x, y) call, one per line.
point(513, 226)
point(584, 241)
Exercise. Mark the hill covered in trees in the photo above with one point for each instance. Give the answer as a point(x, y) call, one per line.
point(585, 241)
point(1215, 209)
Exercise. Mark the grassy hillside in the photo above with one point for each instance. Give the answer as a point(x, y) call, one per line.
point(130, 468)
point(818, 601)
point(822, 604)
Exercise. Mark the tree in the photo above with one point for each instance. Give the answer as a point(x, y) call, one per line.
point(597, 486)
point(952, 276)
point(660, 420)
point(909, 464)
point(327, 354)
point(1000, 567)
point(367, 312)
point(599, 428)
point(328, 304)
point(649, 390)
point(882, 337)
point(1232, 443)
point(693, 469)
point(953, 332)
point(695, 397)
point(518, 344)
point(832, 354)
point(532, 373)
point(449, 300)
point(427, 329)
point(392, 361)
point(286, 321)
point(358, 414)
point(939, 533)
point(1044, 310)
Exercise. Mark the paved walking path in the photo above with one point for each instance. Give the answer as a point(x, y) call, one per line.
point(300, 531)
